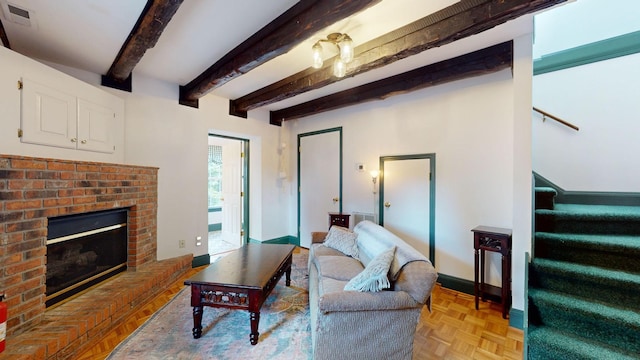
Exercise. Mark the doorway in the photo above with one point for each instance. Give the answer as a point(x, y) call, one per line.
point(228, 198)
point(319, 181)
point(407, 199)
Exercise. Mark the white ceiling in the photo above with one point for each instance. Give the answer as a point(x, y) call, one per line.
point(88, 34)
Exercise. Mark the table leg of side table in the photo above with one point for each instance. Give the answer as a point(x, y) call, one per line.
point(197, 322)
point(482, 287)
point(506, 286)
point(475, 283)
point(255, 319)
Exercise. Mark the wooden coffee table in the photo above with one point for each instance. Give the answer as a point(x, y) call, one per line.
point(243, 279)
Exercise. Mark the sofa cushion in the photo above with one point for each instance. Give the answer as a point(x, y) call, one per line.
point(320, 250)
point(327, 285)
point(374, 277)
point(342, 239)
point(338, 267)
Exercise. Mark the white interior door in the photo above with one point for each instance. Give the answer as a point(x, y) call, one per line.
point(406, 196)
point(232, 191)
point(319, 182)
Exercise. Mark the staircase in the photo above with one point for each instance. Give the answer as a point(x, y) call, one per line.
point(584, 281)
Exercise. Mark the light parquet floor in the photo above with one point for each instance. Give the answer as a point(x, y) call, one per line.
point(456, 330)
point(453, 330)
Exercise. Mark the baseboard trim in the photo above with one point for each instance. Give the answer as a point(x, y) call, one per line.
point(457, 284)
point(516, 318)
point(201, 260)
point(288, 239)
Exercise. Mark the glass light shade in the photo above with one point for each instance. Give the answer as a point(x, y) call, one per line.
point(374, 174)
point(317, 55)
point(346, 49)
point(339, 68)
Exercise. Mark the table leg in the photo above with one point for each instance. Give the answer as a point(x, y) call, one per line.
point(505, 285)
point(197, 322)
point(475, 283)
point(288, 274)
point(255, 319)
point(482, 291)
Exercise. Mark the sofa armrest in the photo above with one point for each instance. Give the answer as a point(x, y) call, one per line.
point(318, 236)
point(366, 301)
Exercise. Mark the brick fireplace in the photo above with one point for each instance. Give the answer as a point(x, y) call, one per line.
point(32, 190)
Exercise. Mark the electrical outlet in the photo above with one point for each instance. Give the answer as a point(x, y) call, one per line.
point(181, 244)
point(198, 240)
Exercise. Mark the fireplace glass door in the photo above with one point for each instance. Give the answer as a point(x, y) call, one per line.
point(83, 250)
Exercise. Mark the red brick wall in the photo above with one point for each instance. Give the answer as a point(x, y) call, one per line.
point(35, 189)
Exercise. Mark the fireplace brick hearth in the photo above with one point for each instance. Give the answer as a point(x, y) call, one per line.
point(32, 190)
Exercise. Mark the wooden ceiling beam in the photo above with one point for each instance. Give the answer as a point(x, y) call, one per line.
point(278, 37)
point(460, 20)
point(488, 60)
point(3, 37)
point(145, 34)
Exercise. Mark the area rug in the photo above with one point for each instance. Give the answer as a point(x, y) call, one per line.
point(284, 327)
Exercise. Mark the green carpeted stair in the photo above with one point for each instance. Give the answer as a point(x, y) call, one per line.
point(584, 281)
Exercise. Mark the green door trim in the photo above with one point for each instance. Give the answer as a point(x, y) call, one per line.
point(318, 132)
point(245, 184)
point(432, 195)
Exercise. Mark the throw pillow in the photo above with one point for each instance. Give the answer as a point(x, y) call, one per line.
point(343, 240)
point(374, 276)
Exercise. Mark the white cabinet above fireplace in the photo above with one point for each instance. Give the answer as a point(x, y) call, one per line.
point(58, 117)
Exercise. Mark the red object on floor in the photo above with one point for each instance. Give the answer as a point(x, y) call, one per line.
point(3, 322)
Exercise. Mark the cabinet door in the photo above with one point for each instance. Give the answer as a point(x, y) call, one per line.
point(48, 116)
point(95, 127)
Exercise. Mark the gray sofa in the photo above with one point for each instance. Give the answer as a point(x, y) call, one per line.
point(366, 325)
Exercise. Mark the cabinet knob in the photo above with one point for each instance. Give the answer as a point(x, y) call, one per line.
point(74, 140)
point(83, 141)
point(335, 199)
point(387, 204)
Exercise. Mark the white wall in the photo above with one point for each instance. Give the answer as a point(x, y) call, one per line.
point(162, 133)
point(469, 125)
point(522, 166)
point(583, 22)
point(600, 98)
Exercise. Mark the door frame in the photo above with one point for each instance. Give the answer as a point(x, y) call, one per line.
point(318, 132)
point(432, 195)
point(245, 183)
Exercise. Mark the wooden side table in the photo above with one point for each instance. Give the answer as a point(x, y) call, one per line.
point(486, 238)
point(339, 219)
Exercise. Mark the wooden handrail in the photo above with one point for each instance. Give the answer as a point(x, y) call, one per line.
point(546, 114)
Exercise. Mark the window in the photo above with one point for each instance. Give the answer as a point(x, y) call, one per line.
point(215, 176)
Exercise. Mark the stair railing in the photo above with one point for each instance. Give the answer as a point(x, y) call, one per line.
point(546, 115)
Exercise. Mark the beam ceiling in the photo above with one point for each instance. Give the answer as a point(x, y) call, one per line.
point(3, 37)
point(485, 61)
point(452, 23)
point(145, 34)
point(278, 37)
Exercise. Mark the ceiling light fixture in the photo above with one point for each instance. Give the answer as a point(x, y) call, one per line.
point(345, 47)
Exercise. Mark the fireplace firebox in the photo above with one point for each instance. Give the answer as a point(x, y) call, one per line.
point(83, 250)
